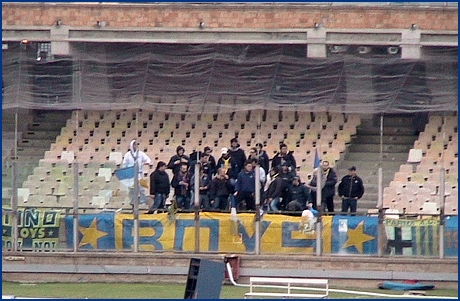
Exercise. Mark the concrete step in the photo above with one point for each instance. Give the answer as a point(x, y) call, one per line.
point(375, 157)
point(29, 151)
point(45, 126)
point(362, 130)
point(41, 143)
point(56, 116)
point(49, 134)
point(404, 120)
point(375, 148)
point(393, 139)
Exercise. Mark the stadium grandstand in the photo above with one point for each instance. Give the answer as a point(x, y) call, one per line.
point(370, 84)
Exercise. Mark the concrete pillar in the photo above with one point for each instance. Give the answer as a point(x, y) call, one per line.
point(316, 40)
point(59, 36)
point(410, 44)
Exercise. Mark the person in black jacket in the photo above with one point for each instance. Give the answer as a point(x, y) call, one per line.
point(328, 181)
point(285, 156)
point(275, 189)
point(264, 160)
point(220, 190)
point(238, 155)
point(178, 159)
point(159, 186)
point(299, 196)
point(351, 189)
point(181, 184)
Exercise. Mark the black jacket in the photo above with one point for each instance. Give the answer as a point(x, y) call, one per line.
point(351, 187)
point(288, 158)
point(220, 188)
point(329, 185)
point(300, 194)
point(181, 190)
point(275, 189)
point(159, 182)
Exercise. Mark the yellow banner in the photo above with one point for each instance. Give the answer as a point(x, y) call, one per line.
point(218, 233)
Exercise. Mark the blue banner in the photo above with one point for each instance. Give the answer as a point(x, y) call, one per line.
point(354, 235)
point(451, 236)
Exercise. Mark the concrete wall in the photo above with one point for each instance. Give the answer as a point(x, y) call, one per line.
point(150, 267)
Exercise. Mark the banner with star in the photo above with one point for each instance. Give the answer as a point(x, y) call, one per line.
point(95, 231)
point(38, 228)
point(354, 235)
point(279, 233)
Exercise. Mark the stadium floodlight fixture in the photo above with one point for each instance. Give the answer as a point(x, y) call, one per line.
point(393, 50)
point(364, 49)
point(338, 48)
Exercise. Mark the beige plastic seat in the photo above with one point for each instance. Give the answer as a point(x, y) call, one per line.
point(401, 176)
point(23, 195)
point(433, 187)
point(430, 208)
point(418, 178)
point(451, 206)
point(68, 156)
point(415, 155)
point(406, 168)
point(105, 172)
point(116, 157)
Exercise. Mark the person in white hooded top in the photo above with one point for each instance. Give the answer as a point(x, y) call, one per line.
point(132, 156)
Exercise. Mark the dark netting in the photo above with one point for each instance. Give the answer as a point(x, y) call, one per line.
point(209, 78)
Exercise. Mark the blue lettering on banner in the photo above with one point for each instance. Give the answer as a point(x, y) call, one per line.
point(128, 238)
point(157, 226)
point(288, 241)
point(214, 232)
point(250, 241)
point(213, 226)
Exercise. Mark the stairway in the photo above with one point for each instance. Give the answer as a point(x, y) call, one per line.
point(364, 153)
point(41, 129)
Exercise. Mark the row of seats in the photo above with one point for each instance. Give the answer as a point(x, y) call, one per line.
point(416, 187)
point(96, 142)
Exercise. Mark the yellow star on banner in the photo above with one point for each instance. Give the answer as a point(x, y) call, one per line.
point(91, 234)
point(357, 237)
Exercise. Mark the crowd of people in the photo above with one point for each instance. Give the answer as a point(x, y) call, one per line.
point(230, 181)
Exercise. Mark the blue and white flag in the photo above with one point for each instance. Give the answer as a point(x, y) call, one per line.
point(126, 175)
point(317, 161)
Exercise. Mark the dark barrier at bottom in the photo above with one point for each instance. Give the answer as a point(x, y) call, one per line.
point(204, 280)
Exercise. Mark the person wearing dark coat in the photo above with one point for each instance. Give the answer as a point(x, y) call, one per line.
point(264, 160)
point(181, 184)
point(299, 196)
point(228, 163)
point(283, 156)
point(211, 161)
point(159, 186)
point(286, 175)
point(220, 189)
point(238, 155)
point(351, 189)
point(245, 187)
point(274, 191)
point(178, 159)
point(328, 181)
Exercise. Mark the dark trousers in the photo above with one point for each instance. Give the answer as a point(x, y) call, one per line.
point(349, 203)
point(328, 202)
point(248, 197)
